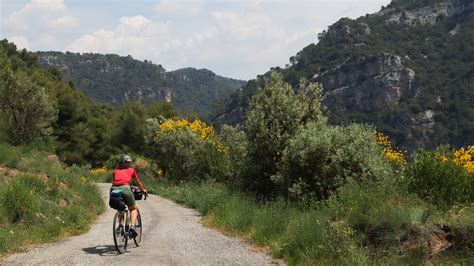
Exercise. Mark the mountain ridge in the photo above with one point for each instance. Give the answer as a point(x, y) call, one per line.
point(113, 79)
point(407, 69)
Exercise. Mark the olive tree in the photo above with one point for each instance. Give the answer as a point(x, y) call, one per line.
point(27, 110)
point(276, 111)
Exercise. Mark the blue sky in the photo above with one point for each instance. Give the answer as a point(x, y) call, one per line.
point(238, 38)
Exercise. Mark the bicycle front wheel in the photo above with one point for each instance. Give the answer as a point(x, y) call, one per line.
point(139, 230)
point(120, 236)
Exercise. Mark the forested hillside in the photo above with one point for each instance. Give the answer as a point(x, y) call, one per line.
point(114, 79)
point(296, 177)
point(408, 69)
point(39, 106)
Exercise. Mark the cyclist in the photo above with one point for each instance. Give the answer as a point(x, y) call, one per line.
point(121, 178)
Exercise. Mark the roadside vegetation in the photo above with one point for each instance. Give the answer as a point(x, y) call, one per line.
point(287, 180)
point(314, 193)
point(41, 200)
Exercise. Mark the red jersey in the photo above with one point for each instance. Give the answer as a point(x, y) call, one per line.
point(123, 176)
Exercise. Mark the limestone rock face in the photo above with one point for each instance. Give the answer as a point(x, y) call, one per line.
point(431, 14)
point(368, 83)
point(339, 31)
point(421, 126)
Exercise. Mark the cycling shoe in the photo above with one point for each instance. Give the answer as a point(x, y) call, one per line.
point(133, 232)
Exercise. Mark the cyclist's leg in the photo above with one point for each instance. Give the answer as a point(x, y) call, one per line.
point(133, 214)
point(130, 201)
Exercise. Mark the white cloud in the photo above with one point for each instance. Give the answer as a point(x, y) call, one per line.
point(99, 41)
point(62, 22)
point(39, 15)
point(245, 26)
point(133, 35)
point(47, 40)
point(181, 7)
point(135, 23)
point(239, 38)
point(20, 41)
point(236, 43)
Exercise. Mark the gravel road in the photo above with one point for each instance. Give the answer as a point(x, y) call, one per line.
point(172, 236)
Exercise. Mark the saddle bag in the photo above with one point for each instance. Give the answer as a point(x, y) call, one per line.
point(116, 201)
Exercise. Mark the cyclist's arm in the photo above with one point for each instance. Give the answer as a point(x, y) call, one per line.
point(137, 182)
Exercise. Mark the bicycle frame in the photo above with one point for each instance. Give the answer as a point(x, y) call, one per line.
point(121, 229)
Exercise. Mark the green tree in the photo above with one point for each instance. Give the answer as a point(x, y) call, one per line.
point(132, 127)
point(275, 114)
point(321, 158)
point(161, 108)
point(73, 136)
point(27, 108)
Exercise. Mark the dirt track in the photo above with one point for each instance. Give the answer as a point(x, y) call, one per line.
point(172, 235)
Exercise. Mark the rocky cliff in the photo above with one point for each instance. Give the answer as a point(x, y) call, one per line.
point(369, 83)
point(429, 14)
point(407, 69)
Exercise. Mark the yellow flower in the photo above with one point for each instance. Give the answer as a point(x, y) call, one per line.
point(203, 131)
point(464, 158)
point(83, 180)
point(391, 154)
point(100, 170)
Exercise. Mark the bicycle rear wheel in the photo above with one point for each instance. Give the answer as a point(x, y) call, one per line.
point(139, 230)
point(120, 235)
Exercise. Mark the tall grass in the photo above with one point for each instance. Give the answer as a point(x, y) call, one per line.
point(361, 225)
point(42, 201)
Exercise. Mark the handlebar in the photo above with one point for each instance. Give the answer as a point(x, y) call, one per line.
point(137, 189)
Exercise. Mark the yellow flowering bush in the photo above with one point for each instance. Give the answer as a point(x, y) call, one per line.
point(187, 150)
point(201, 129)
point(389, 152)
point(465, 158)
point(198, 127)
point(99, 170)
point(443, 176)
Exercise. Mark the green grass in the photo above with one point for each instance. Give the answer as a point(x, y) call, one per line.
point(45, 202)
point(359, 226)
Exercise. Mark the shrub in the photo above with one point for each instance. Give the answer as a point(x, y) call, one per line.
point(27, 109)
point(437, 177)
point(20, 200)
point(236, 143)
point(187, 151)
point(9, 156)
point(274, 115)
point(322, 158)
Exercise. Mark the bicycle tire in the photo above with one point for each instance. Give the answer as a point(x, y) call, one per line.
point(120, 236)
point(139, 229)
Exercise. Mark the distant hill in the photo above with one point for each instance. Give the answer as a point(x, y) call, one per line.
point(113, 79)
point(408, 69)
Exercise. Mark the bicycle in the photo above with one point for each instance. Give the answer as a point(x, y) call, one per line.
point(121, 223)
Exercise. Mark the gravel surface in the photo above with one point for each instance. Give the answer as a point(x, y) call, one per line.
point(172, 236)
